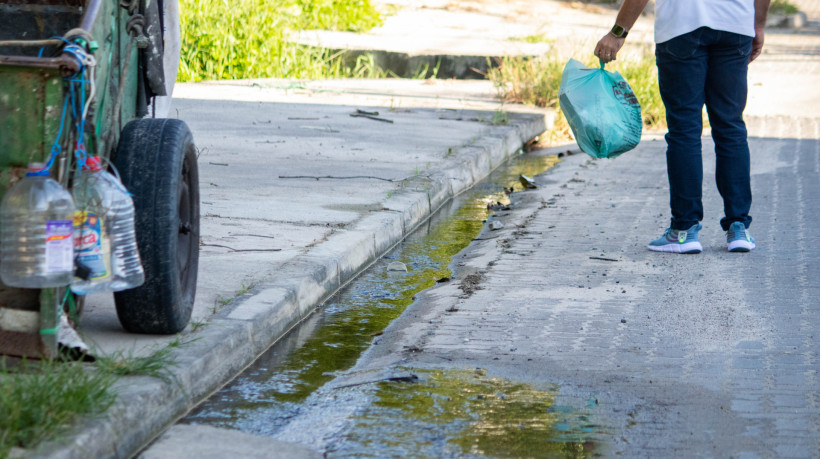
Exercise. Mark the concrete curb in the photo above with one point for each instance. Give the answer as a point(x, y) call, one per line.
point(787, 21)
point(238, 333)
point(444, 66)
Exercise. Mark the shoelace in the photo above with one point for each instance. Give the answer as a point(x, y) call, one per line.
point(735, 235)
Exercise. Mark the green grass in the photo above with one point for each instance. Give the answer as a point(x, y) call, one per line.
point(38, 401)
point(500, 118)
point(231, 39)
point(222, 301)
point(536, 38)
point(536, 82)
point(782, 7)
point(528, 81)
point(127, 364)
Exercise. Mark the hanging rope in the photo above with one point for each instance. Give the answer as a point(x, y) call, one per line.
point(134, 27)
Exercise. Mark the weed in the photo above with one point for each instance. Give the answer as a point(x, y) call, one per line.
point(366, 67)
point(537, 38)
point(500, 118)
point(197, 324)
point(249, 38)
point(219, 303)
point(528, 81)
point(782, 7)
point(394, 104)
point(222, 301)
point(178, 342)
point(39, 400)
point(155, 365)
point(423, 71)
point(243, 290)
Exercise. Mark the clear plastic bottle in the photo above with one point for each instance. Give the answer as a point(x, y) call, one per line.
point(128, 272)
point(104, 232)
point(36, 243)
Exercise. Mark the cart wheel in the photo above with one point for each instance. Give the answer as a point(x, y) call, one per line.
point(156, 159)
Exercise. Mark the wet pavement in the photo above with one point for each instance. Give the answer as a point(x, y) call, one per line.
point(644, 354)
point(274, 388)
point(713, 354)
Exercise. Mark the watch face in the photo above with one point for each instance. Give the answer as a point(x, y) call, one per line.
point(618, 31)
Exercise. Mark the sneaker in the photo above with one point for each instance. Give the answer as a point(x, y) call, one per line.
point(678, 241)
point(739, 239)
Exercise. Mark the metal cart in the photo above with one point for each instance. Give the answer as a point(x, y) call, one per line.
point(86, 75)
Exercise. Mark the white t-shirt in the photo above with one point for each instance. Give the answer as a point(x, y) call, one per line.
point(677, 17)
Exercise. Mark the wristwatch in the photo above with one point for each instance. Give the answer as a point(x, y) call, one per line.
point(618, 31)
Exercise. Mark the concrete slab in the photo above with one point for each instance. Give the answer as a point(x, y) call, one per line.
point(196, 442)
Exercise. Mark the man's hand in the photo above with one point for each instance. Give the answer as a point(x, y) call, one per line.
point(608, 47)
point(761, 12)
point(757, 44)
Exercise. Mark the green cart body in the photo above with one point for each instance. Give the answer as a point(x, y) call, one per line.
point(125, 39)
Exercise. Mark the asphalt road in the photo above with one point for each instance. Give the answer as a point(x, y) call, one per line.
point(664, 355)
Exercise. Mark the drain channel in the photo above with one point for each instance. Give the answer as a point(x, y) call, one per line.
point(272, 390)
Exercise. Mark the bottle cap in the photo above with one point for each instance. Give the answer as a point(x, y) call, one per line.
point(36, 169)
point(92, 163)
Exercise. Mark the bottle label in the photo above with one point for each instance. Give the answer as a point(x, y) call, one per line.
point(90, 244)
point(59, 246)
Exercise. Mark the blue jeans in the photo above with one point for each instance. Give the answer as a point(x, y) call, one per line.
point(709, 67)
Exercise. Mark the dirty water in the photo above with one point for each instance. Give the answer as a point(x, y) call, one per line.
point(274, 389)
point(464, 413)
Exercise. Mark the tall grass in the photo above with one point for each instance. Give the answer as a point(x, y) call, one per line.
point(41, 399)
point(782, 7)
point(230, 39)
point(38, 401)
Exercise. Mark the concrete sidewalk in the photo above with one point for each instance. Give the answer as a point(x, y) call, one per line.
point(277, 241)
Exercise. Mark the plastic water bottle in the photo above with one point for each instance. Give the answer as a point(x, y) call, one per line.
point(36, 243)
point(128, 272)
point(105, 242)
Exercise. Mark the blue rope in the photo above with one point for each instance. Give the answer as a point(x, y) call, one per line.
point(72, 96)
point(78, 53)
point(55, 147)
point(80, 151)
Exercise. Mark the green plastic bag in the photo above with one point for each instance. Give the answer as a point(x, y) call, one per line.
point(601, 108)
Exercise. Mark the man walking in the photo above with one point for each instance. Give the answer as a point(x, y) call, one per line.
point(703, 50)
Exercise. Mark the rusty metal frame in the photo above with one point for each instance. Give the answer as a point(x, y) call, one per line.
point(62, 62)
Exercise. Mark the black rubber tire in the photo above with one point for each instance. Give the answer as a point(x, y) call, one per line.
point(156, 159)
